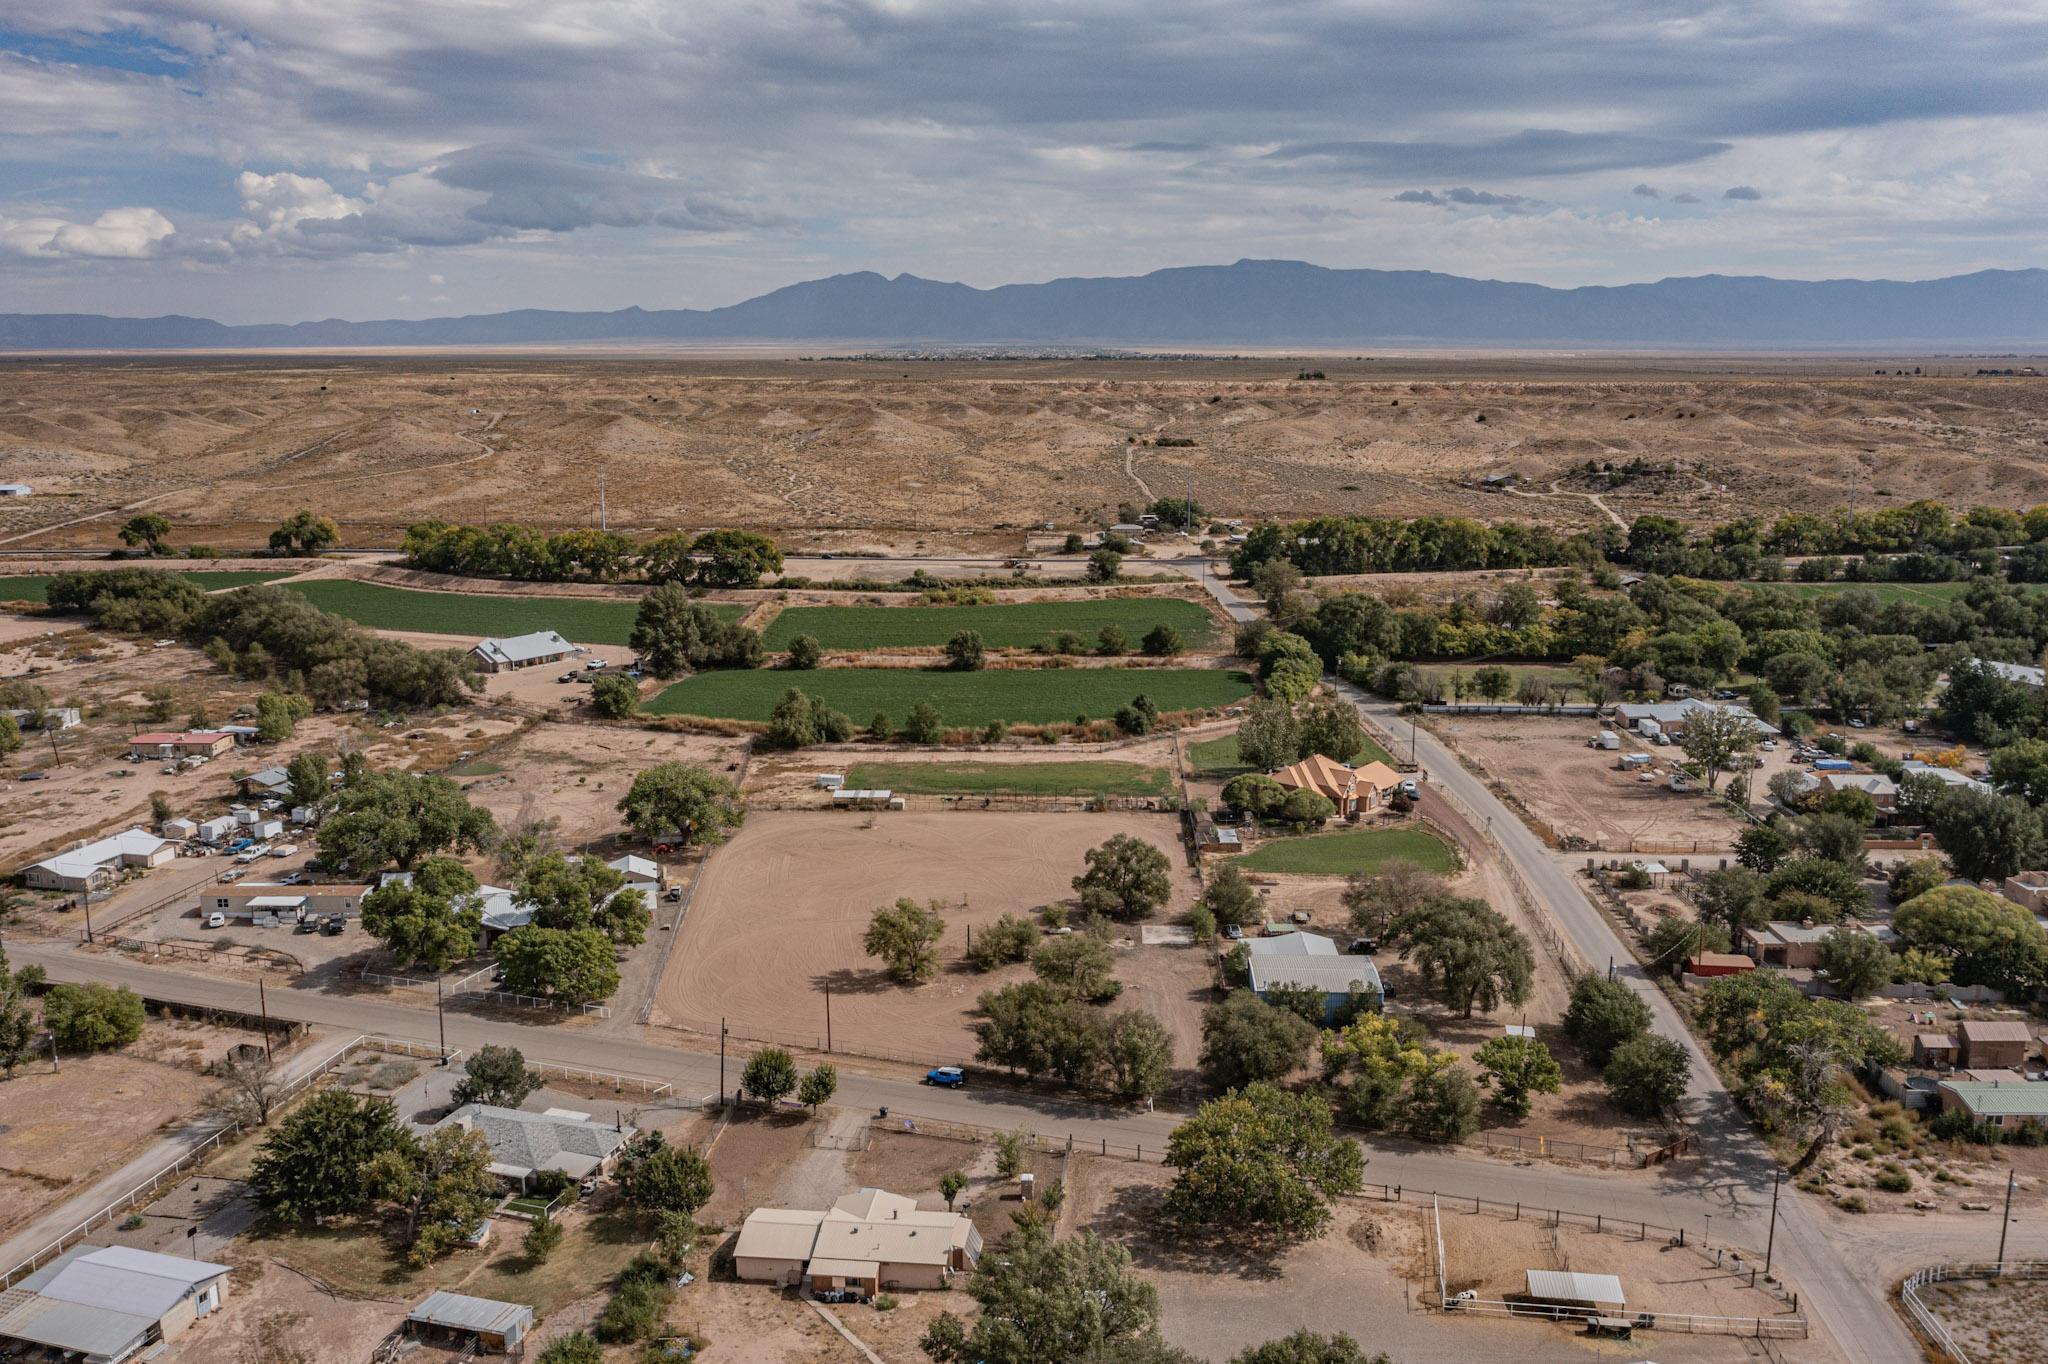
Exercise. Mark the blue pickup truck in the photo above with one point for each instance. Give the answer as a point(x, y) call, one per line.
point(237, 844)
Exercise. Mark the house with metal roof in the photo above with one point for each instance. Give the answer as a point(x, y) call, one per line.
point(105, 1304)
point(494, 655)
point(192, 743)
point(867, 1241)
point(523, 1144)
point(2024, 674)
point(1998, 1103)
point(270, 781)
point(1313, 961)
point(496, 1327)
point(92, 865)
point(641, 873)
point(1673, 717)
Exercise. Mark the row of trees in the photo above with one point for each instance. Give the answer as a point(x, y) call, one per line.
point(717, 558)
point(303, 533)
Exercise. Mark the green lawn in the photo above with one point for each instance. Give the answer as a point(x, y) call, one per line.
point(1016, 696)
point(1011, 779)
point(1350, 850)
point(1886, 593)
point(36, 586)
point(583, 620)
point(1217, 759)
point(1014, 625)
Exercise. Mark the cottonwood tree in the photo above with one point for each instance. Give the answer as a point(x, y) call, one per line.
point(1009, 939)
point(770, 1075)
point(1269, 736)
point(681, 803)
point(1602, 1015)
point(308, 775)
point(663, 1178)
point(443, 1186)
point(147, 531)
point(382, 818)
point(734, 558)
point(1330, 727)
point(1715, 738)
point(1246, 1040)
point(966, 651)
point(1647, 1075)
point(496, 1076)
point(1309, 1347)
point(1378, 1058)
point(1040, 1028)
point(1043, 1300)
point(432, 920)
point(583, 892)
point(904, 936)
point(1260, 1160)
point(1468, 953)
point(1372, 900)
point(1080, 962)
point(1230, 897)
point(1127, 879)
point(1137, 1053)
point(1989, 940)
point(577, 965)
point(672, 633)
point(93, 1017)
point(614, 696)
point(303, 533)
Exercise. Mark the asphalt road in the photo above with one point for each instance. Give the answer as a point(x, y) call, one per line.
point(1735, 1173)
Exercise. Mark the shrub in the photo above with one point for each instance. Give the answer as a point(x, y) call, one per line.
point(1893, 1179)
point(93, 1017)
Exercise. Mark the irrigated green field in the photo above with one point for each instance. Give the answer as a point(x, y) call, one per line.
point(1218, 760)
point(36, 586)
point(1015, 696)
point(1926, 594)
point(1011, 779)
point(1015, 625)
point(580, 619)
point(1340, 854)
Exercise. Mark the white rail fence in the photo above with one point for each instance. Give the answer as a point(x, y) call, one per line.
point(1909, 1293)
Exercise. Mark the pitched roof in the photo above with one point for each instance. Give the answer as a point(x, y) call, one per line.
point(90, 857)
point(857, 1234)
point(1331, 975)
point(100, 1300)
point(1994, 1030)
point(1317, 772)
point(778, 1234)
point(523, 648)
point(523, 1142)
point(1679, 712)
point(636, 868)
point(2027, 1099)
point(1293, 945)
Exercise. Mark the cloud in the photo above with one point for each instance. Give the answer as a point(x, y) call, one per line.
point(1647, 192)
point(530, 191)
point(1531, 152)
point(1685, 197)
point(1463, 196)
point(1741, 192)
point(117, 234)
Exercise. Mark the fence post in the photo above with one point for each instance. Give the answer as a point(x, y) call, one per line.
point(1518, 1210)
point(1642, 1231)
point(1598, 1219)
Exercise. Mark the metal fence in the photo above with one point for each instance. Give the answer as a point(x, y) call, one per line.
point(1691, 1323)
point(536, 1002)
point(651, 1089)
point(1909, 1293)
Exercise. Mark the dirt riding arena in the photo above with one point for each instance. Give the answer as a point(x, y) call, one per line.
point(779, 915)
point(1578, 791)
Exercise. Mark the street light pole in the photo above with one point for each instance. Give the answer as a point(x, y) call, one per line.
point(721, 1063)
point(2005, 1223)
point(1771, 1241)
point(263, 1007)
point(441, 1018)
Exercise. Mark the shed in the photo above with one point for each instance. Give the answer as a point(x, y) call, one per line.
point(1993, 1044)
point(179, 828)
point(215, 830)
point(1933, 1049)
point(1719, 964)
point(496, 1326)
point(1576, 1290)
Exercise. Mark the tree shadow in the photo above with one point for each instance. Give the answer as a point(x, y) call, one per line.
point(857, 980)
point(1135, 1218)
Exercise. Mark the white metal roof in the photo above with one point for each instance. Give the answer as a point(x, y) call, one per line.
point(524, 648)
point(636, 868)
point(844, 794)
point(1331, 975)
point(460, 1312)
point(1293, 945)
point(1564, 1286)
point(84, 861)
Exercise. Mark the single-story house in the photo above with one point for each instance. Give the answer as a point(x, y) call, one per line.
point(1793, 946)
point(1998, 1103)
point(91, 865)
point(1706, 964)
point(1989, 1044)
point(2024, 674)
point(1947, 776)
point(2028, 890)
point(271, 782)
point(868, 1241)
point(1673, 717)
point(105, 1304)
point(1353, 790)
point(245, 900)
point(1315, 961)
point(195, 743)
point(1882, 790)
point(45, 717)
point(494, 655)
point(523, 1144)
point(641, 873)
point(498, 1327)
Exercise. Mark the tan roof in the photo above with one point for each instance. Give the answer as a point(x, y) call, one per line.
point(778, 1234)
point(1983, 1030)
point(845, 1269)
point(1378, 774)
point(1735, 959)
point(1319, 772)
point(1934, 1041)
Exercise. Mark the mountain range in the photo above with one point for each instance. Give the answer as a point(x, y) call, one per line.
point(1250, 303)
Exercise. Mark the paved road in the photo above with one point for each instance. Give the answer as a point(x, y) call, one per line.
point(1735, 1169)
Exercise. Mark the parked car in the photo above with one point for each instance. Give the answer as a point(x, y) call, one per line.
point(215, 920)
point(33, 776)
point(291, 878)
point(946, 1077)
point(285, 850)
point(1364, 947)
point(307, 925)
point(675, 894)
point(594, 664)
point(569, 676)
point(1411, 789)
point(1234, 932)
point(230, 876)
point(331, 926)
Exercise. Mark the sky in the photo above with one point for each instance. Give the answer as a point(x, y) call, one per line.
point(284, 160)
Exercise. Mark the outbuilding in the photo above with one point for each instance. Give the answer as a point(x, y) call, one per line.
point(496, 1327)
point(91, 865)
point(106, 1304)
point(1594, 1295)
point(196, 743)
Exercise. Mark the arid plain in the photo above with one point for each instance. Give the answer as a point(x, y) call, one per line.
point(959, 455)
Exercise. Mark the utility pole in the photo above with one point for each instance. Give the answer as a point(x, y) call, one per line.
point(263, 1007)
point(828, 1020)
point(604, 521)
point(1771, 1241)
point(442, 1019)
point(86, 900)
point(721, 1062)
point(2005, 1223)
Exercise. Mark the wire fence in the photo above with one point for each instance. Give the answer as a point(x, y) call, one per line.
point(1923, 1317)
point(536, 1002)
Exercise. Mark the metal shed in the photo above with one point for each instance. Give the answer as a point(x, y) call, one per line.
point(1559, 1285)
point(497, 1326)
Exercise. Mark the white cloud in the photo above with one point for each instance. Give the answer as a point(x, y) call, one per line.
point(117, 234)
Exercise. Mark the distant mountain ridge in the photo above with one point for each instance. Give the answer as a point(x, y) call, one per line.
point(1250, 303)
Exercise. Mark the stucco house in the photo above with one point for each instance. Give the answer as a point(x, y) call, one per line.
point(868, 1241)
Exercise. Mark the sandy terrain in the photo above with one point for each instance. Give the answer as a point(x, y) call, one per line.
point(849, 453)
point(1576, 791)
point(780, 911)
point(59, 1130)
point(576, 773)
